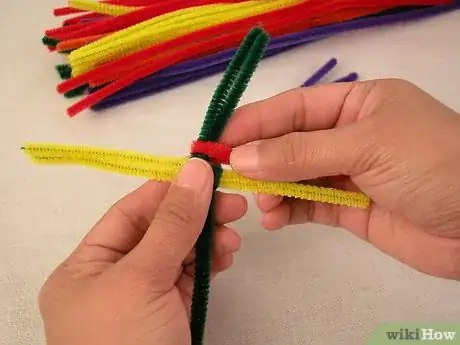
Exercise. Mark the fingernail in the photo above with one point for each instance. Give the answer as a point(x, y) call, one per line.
point(245, 158)
point(196, 175)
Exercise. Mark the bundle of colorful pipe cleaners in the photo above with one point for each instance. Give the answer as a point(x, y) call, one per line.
point(121, 50)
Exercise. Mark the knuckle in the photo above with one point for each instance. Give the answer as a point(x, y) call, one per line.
point(292, 149)
point(301, 112)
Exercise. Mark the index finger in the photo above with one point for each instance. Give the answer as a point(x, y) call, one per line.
point(299, 110)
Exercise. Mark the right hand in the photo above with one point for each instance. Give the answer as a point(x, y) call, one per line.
point(387, 139)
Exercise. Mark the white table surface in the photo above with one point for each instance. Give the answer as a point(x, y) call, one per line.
point(304, 285)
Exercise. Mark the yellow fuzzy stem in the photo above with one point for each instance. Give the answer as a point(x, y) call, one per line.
point(97, 7)
point(166, 168)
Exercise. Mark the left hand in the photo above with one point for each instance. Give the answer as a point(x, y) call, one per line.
point(130, 281)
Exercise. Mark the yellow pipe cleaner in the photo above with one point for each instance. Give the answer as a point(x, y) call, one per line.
point(98, 7)
point(165, 27)
point(166, 168)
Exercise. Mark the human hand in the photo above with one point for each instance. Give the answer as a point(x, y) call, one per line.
point(387, 139)
point(131, 279)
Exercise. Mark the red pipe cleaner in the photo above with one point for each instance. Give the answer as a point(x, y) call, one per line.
point(64, 11)
point(56, 32)
point(217, 152)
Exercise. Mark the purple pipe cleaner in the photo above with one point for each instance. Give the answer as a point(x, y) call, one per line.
point(324, 70)
point(348, 78)
point(321, 73)
point(285, 41)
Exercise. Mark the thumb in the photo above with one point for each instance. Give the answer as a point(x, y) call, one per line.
point(304, 155)
point(178, 221)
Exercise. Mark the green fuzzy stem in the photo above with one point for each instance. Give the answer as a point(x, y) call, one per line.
point(76, 92)
point(64, 71)
point(223, 103)
point(233, 84)
point(203, 263)
point(241, 83)
point(50, 42)
point(231, 73)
